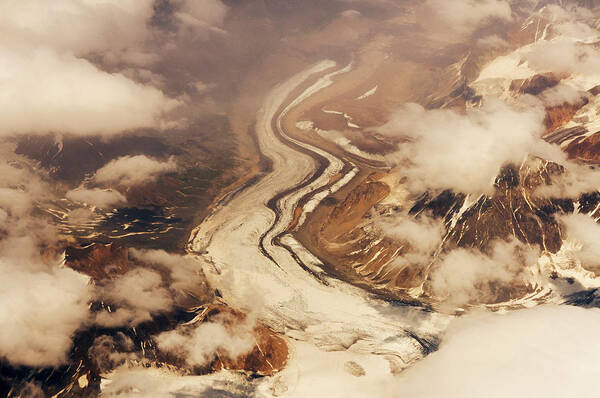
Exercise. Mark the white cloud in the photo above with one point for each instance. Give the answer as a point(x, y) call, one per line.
point(225, 334)
point(423, 234)
point(136, 295)
point(110, 352)
point(585, 231)
point(132, 170)
point(456, 19)
point(80, 216)
point(42, 307)
point(567, 48)
point(576, 179)
point(420, 237)
point(161, 383)
point(198, 345)
point(185, 272)
point(449, 150)
point(564, 55)
point(570, 21)
point(206, 14)
point(103, 198)
point(43, 91)
point(14, 201)
point(540, 352)
point(93, 25)
point(41, 304)
point(46, 85)
point(492, 41)
point(19, 186)
point(468, 275)
point(163, 281)
point(560, 94)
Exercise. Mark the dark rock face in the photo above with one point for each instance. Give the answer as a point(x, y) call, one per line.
point(588, 202)
point(512, 210)
point(557, 116)
point(535, 84)
point(442, 205)
point(585, 148)
point(594, 90)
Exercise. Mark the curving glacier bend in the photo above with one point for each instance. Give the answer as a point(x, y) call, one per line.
point(323, 319)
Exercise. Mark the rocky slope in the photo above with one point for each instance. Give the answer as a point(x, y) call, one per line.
point(98, 350)
point(352, 246)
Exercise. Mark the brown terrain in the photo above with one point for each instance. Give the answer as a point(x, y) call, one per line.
point(586, 149)
point(340, 231)
point(222, 155)
point(219, 155)
point(556, 115)
point(269, 355)
point(350, 249)
point(355, 251)
point(103, 263)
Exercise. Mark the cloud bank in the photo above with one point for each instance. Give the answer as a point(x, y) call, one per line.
point(200, 344)
point(455, 20)
point(585, 231)
point(96, 197)
point(42, 307)
point(448, 150)
point(43, 91)
point(42, 304)
point(540, 352)
point(133, 170)
point(468, 275)
point(48, 83)
point(135, 296)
